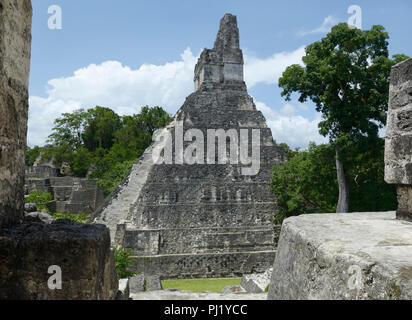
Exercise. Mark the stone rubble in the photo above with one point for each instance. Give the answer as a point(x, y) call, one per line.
point(38, 217)
point(124, 290)
point(144, 283)
point(257, 282)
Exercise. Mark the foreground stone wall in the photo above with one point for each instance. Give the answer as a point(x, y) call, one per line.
point(27, 248)
point(15, 48)
point(398, 143)
point(343, 256)
point(81, 251)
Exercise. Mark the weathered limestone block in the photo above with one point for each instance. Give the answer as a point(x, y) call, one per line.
point(233, 289)
point(137, 283)
point(145, 282)
point(82, 252)
point(153, 283)
point(38, 217)
point(124, 290)
point(398, 143)
point(15, 48)
point(256, 282)
point(343, 256)
point(30, 207)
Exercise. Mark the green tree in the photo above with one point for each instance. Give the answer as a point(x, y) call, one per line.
point(68, 129)
point(100, 137)
point(63, 152)
point(101, 125)
point(288, 151)
point(369, 191)
point(137, 130)
point(31, 155)
point(81, 162)
point(346, 75)
point(124, 263)
point(109, 179)
point(130, 141)
point(40, 198)
point(306, 183)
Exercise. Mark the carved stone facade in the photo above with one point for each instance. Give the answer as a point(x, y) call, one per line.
point(206, 219)
point(223, 63)
point(398, 146)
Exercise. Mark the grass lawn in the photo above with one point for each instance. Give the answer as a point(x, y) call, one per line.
point(200, 285)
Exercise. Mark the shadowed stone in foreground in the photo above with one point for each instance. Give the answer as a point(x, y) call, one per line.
point(15, 47)
point(81, 251)
point(343, 256)
point(28, 249)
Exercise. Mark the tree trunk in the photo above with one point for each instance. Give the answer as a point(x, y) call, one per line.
point(343, 201)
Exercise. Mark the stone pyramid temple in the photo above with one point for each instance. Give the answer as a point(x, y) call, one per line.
point(207, 211)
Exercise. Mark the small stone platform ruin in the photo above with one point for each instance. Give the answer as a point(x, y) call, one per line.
point(206, 218)
point(70, 194)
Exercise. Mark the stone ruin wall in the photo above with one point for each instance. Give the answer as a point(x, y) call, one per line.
point(70, 194)
point(398, 143)
point(28, 249)
point(15, 49)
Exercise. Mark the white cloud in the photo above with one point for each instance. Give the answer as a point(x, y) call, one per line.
point(111, 84)
point(294, 130)
point(269, 70)
point(288, 109)
point(327, 24)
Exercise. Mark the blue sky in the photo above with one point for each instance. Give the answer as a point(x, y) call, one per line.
point(129, 53)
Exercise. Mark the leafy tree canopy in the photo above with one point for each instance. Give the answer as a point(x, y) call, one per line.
point(100, 137)
point(346, 75)
point(31, 155)
point(306, 183)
